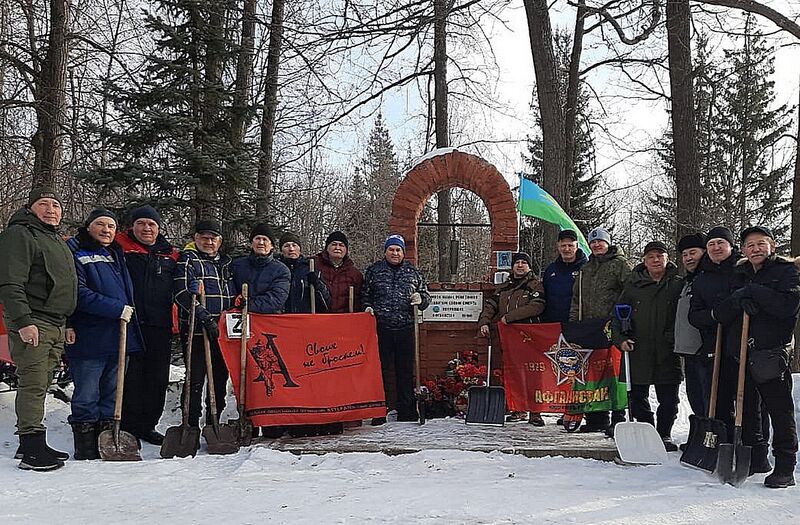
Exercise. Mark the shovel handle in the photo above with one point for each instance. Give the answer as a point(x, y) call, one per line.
point(311, 288)
point(489, 359)
point(351, 299)
point(212, 398)
point(243, 353)
point(123, 340)
point(742, 366)
point(416, 346)
point(187, 377)
point(712, 402)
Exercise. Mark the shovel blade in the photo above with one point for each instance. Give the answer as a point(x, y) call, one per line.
point(702, 448)
point(486, 405)
point(118, 445)
point(639, 444)
point(733, 465)
point(181, 442)
point(222, 440)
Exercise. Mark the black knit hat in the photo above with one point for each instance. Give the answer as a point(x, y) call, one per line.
point(97, 213)
point(720, 232)
point(521, 256)
point(43, 192)
point(145, 212)
point(208, 226)
point(567, 234)
point(337, 236)
point(289, 237)
point(262, 228)
point(756, 229)
point(693, 240)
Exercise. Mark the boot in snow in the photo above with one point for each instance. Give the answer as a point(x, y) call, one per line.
point(84, 437)
point(35, 455)
point(63, 456)
point(782, 476)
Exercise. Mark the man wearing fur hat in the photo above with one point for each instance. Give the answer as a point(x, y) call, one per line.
point(151, 262)
point(392, 289)
point(38, 290)
point(339, 273)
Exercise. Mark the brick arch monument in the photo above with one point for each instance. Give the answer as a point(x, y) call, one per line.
point(445, 169)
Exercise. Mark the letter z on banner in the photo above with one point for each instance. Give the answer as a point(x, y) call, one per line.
point(307, 369)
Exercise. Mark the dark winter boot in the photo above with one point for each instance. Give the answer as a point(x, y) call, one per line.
point(669, 446)
point(63, 456)
point(783, 475)
point(35, 455)
point(84, 436)
point(759, 464)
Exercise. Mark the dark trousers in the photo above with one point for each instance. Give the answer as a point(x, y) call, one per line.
point(666, 412)
point(698, 370)
point(396, 348)
point(198, 376)
point(146, 381)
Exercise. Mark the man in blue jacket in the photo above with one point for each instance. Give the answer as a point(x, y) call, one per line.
point(105, 295)
point(299, 300)
point(267, 278)
point(559, 278)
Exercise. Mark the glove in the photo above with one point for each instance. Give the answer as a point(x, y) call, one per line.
point(193, 287)
point(240, 302)
point(313, 278)
point(127, 313)
point(738, 295)
point(416, 299)
point(370, 311)
point(749, 305)
point(210, 326)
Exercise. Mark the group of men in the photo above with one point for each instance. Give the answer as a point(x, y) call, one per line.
point(76, 296)
point(674, 321)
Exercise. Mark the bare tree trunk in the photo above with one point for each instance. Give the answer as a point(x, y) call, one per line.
point(442, 135)
point(795, 239)
point(265, 166)
point(687, 174)
point(573, 90)
point(551, 106)
point(51, 97)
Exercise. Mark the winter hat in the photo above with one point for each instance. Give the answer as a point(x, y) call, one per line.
point(655, 246)
point(720, 232)
point(395, 240)
point(42, 192)
point(289, 237)
point(337, 236)
point(693, 240)
point(145, 212)
point(208, 226)
point(262, 228)
point(756, 229)
point(96, 214)
point(567, 234)
point(599, 234)
point(521, 256)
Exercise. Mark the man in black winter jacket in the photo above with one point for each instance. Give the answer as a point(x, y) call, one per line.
point(302, 279)
point(151, 262)
point(766, 287)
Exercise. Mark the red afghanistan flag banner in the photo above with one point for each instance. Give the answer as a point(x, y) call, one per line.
point(561, 367)
point(5, 355)
point(306, 369)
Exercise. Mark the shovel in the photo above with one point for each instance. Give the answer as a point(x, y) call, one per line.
point(418, 392)
point(733, 464)
point(116, 444)
point(486, 405)
point(184, 440)
point(220, 439)
point(243, 426)
point(637, 443)
point(706, 433)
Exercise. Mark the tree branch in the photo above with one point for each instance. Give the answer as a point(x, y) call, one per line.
point(767, 12)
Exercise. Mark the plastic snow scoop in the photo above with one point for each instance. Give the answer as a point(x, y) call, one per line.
point(184, 440)
point(733, 463)
point(486, 405)
point(116, 444)
point(706, 433)
point(637, 443)
point(243, 426)
point(220, 439)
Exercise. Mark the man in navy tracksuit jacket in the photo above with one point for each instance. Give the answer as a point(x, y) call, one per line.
point(559, 277)
point(105, 295)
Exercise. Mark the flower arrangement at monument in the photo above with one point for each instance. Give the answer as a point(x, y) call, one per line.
point(447, 395)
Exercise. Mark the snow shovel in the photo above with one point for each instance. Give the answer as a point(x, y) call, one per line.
point(184, 440)
point(706, 433)
point(486, 405)
point(733, 463)
point(116, 444)
point(637, 443)
point(418, 392)
point(243, 426)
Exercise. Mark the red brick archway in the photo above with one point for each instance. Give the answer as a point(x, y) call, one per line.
point(455, 169)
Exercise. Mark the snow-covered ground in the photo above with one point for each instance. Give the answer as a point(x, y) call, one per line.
point(259, 485)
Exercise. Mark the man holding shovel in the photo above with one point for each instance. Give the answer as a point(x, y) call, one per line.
point(767, 288)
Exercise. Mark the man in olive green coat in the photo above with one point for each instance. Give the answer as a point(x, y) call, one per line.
point(652, 291)
point(38, 290)
point(596, 289)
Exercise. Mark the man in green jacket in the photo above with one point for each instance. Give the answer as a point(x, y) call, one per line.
point(38, 290)
point(652, 291)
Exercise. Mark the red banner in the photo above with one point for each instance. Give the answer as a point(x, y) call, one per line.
point(306, 369)
point(554, 367)
point(5, 355)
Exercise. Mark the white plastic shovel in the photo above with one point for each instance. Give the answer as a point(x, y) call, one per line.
point(637, 443)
